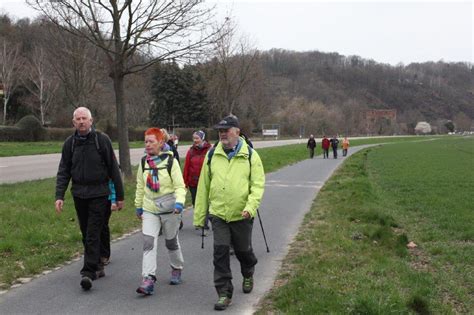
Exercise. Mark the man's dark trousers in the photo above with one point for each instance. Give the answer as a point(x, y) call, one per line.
point(334, 152)
point(311, 152)
point(105, 234)
point(91, 213)
point(239, 234)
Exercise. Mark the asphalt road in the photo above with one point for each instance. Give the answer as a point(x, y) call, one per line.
point(288, 196)
point(31, 167)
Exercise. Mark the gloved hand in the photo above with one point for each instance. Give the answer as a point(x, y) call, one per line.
point(139, 212)
point(178, 208)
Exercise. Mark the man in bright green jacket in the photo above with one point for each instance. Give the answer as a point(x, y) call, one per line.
point(230, 186)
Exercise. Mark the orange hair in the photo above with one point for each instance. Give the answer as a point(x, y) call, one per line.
point(156, 132)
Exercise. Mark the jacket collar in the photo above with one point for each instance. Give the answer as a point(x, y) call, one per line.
point(242, 147)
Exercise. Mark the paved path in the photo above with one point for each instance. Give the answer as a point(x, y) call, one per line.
point(288, 197)
point(30, 167)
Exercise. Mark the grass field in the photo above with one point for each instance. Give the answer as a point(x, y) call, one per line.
point(350, 256)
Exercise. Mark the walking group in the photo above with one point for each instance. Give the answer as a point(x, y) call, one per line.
point(326, 144)
point(226, 182)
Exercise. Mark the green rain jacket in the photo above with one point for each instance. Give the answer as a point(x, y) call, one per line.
point(229, 187)
point(144, 197)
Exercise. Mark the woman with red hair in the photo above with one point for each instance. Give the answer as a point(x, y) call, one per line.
point(159, 201)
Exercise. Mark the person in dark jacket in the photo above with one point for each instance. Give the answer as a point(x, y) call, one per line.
point(192, 166)
point(88, 159)
point(311, 145)
point(334, 143)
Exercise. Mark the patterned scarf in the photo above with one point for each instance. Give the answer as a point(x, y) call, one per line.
point(152, 180)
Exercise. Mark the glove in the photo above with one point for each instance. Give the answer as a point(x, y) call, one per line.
point(178, 208)
point(139, 211)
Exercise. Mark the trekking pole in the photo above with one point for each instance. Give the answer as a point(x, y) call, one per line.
point(263, 231)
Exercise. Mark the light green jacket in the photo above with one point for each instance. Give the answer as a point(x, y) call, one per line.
point(231, 187)
point(144, 197)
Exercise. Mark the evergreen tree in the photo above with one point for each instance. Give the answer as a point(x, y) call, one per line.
point(179, 97)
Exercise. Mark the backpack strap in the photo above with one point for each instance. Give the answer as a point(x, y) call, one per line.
point(169, 164)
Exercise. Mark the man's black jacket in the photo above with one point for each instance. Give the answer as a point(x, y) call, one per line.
point(90, 165)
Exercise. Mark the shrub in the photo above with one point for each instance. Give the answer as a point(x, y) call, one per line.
point(59, 134)
point(11, 133)
point(31, 126)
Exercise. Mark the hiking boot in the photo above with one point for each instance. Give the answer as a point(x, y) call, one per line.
point(222, 303)
point(247, 285)
point(101, 272)
point(175, 277)
point(147, 287)
point(86, 283)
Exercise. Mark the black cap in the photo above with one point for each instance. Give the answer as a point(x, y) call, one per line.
point(228, 122)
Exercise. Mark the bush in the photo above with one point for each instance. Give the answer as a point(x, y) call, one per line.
point(29, 128)
point(10, 133)
point(30, 124)
point(134, 134)
point(59, 134)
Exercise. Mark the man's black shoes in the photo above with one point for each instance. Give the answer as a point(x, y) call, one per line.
point(86, 283)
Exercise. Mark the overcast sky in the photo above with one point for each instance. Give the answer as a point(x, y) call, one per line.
point(386, 31)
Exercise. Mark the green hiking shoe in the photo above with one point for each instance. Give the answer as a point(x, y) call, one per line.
point(247, 285)
point(222, 303)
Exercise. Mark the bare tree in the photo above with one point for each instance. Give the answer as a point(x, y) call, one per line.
point(231, 70)
point(10, 63)
point(40, 81)
point(76, 63)
point(122, 29)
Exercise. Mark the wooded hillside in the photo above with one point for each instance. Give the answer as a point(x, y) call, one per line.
point(314, 92)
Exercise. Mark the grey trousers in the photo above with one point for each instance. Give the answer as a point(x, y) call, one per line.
point(239, 234)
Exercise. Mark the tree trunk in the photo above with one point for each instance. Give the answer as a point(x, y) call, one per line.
point(5, 101)
point(122, 124)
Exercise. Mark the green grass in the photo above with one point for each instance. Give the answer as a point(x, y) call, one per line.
point(350, 256)
point(33, 237)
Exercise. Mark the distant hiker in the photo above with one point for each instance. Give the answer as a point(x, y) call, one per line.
point(311, 145)
point(334, 143)
point(325, 144)
point(195, 158)
point(345, 146)
point(159, 200)
point(88, 159)
point(171, 144)
point(231, 186)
